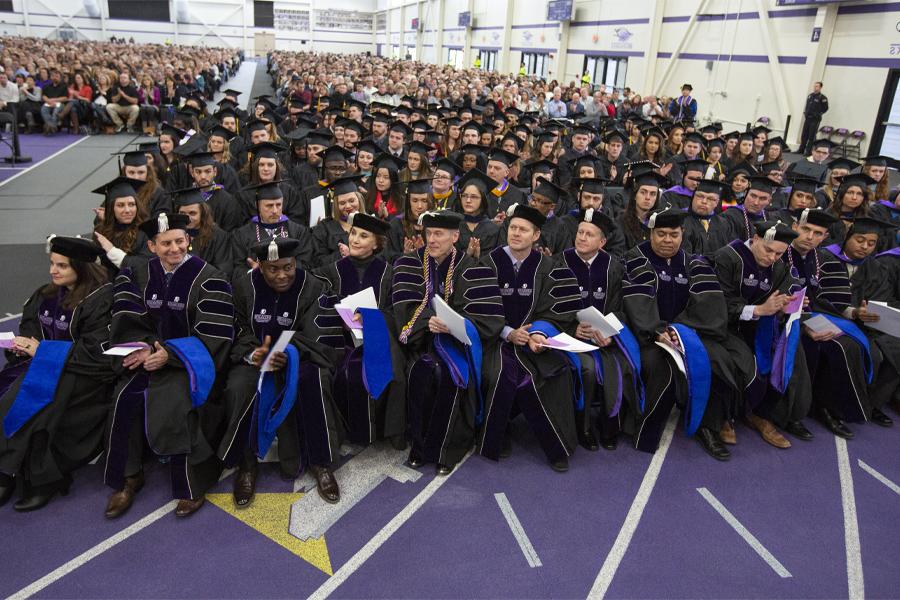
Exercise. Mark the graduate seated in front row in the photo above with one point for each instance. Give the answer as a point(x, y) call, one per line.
point(610, 377)
point(444, 375)
point(540, 300)
point(178, 310)
point(370, 380)
point(673, 299)
point(758, 287)
point(51, 430)
point(295, 400)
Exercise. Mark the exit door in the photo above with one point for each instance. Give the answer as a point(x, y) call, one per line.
point(263, 43)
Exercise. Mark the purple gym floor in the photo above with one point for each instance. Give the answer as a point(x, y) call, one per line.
point(459, 544)
point(37, 146)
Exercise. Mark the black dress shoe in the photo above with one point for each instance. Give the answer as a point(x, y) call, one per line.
point(506, 446)
point(415, 461)
point(610, 443)
point(398, 442)
point(798, 430)
point(834, 425)
point(444, 470)
point(245, 486)
point(588, 441)
point(879, 418)
point(560, 466)
point(326, 484)
point(7, 488)
point(712, 444)
point(41, 497)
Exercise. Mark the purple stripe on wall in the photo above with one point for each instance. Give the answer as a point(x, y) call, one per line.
point(679, 19)
point(728, 16)
point(487, 28)
point(609, 22)
point(793, 12)
point(748, 58)
point(860, 9)
point(537, 50)
point(613, 53)
point(539, 26)
point(663, 55)
point(841, 61)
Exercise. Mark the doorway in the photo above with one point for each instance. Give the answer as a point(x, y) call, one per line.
point(886, 133)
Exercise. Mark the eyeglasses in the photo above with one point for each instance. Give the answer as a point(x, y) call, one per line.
point(441, 177)
point(470, 197)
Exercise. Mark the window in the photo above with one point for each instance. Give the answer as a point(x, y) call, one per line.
point(607, 70)
point(535, 64)
point(455, 58)
point(488, 59)
point(148, 10)
point(263, 14)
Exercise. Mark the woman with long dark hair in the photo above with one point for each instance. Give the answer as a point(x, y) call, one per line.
point(206, 239)
point(51, 430)
point(418, 165)
point(384, 193)
point(406, 233)
point(643, 198)
point(118, 233)
point(852, 200)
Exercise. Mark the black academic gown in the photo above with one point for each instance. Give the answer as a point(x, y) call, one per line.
point(503, 196)
point(678, 196)
point(734, 223)
point(68, 432)
point(217, 251)
point(254, 232)
point(486, 232)
point(700, 239)
point(291, 205)
point(311, 432)
point(539, 385)
point(610, 381)
point(745, 283)
point(156, 407)
point(443, 413)
point(880, 281)
point(367, 418)
point(225, 208)
point(684, 290)
point(326, 236)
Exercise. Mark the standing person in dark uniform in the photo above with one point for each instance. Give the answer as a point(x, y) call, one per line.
point(269, 223)
point(675, 299)
point(49, 431)
point(539, 300)
point(180, 310)
point(370, 381)
point(610, 376)
point(294, 401)
point(444, 393)
point(816, 106)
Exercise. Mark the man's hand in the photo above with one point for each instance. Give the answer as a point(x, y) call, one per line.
point(136, 358)
point(277, 361)
point(252, 263)
point(436, 325)
point(862, 313)
point(772, 305)
point(260, 353)
point(601, 341)
point(584, 332)
point(157, 359)
point(670, 338)
point(519, 336)
point(821, 336)
point(536, 343)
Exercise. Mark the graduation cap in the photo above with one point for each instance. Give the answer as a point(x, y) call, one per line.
point(219, 131)
point(146, 147)
point(778, 141)
point(446, 165)
point(715, 143)
point(709, 129)
point(224, 114)
point(368, 146)
point(742, 168)
point(823, 143)
point(133, 158)
point(353, 125)
point(746, 136)
point(478, 178)
point(519, 142)
point(732, 135)
point(598, 219)
point(265, 100)
point(381, 118)
point(269, 190)
point(762, 183)
point(814, 216)
point(591, 185)
point(712, 186)
point(276, 249)
point(380, 106)
point(768, 167)
point(668, 216)
point(877, 161)
point(388, 161)
point(187, 112)
point(418, 186)
point(502, 156)
point(187, 196)
point(760, 129)
point(402, 127)
point(256, 125)
point(297, 136)
point(550, 190)
point(693, 164)
point(687, 87)
point(585, 160)
point(357, 104)
point(75, 248)
point(371, 224)
point(452, 121)
point(775, 231)
point(864, 225)
point(647, 176)
point(545, 136)
point(164, 222)
point(231, 92)
point(171, 130)
point(804, 184)
point(345, 184)
point(120, 187)
point(419, 148)
point(694, 137)
point(473, 149)
point(441, 219)
point(860, 179)
point(432, 137)
point(319, 137)
point(522, 211)
point(473, 125)
point(404, 110)
point(843, 163)
point(336, 153)
point(420, 127)
point(266, 150)
point(614, 134)
point(202, 159)
point(540, 166)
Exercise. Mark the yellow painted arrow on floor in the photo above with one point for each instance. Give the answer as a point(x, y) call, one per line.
point(270, 515)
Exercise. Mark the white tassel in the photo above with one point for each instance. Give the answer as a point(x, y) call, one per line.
point(49, 240)
point(589, 215)
point(273, 251)
point(427, 213)
point(511, 209)
point(350, 217)
point(162, 223)
point(770, 234)
point(804, 216)
point(652, 222)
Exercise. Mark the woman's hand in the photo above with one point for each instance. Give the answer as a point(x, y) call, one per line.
point(344, 249)
point(103, 241)
point(25, 346)
point(100, 212)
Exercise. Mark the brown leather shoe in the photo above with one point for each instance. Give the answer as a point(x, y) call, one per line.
point(727, 435)
point(326, 484)
point(119, 502)
point(188, 507)
point(768, 431)
point(245, 487)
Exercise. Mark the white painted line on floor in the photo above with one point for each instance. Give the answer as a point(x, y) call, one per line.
point(745, 533)
point(638, 505)
point(10, 317)
point(518, 531)
point(40, 162)
point(887, 482)
point(84, 557)
point(855, 584)
point(364, 553)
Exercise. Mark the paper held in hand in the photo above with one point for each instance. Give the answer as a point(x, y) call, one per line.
point(567, 343)
point(608, 325)
point(347, 308)
point(6, 339)
point(125, 349)
point(888, 318)
point(454, 321)
point(283, 340)
point(316, 210)
point(820, 324)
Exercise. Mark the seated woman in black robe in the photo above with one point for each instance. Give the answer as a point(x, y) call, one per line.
point(370, 385)
point(138, 165)
point(48, 432)
point(478, 234)
point(295, 402)
point(330, 236)
point(851, 201)
point(674, 300)
point(217, 145)
point(443, 392)
point(881, 282)
point(266, 168)
point(443, 189)
point(406, 233)
point(170, 169)
point(207, 240)
point(118, 233)
point(177, 310)
point(269, 223)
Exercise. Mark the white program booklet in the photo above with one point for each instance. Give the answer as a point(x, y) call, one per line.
point(608, 325)
point(316, 210)
point(280, 344)
point(889, 318)
point(455, 322)
point(567, 343)
point(820, 324)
